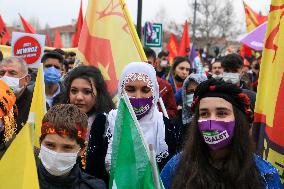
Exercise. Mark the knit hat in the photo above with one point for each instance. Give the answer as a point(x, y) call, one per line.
point(227, 91)
point(7, 103)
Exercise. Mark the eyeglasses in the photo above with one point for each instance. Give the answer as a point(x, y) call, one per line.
point(50, 65)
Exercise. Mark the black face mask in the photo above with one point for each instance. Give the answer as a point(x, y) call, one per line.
point(178, 79)
point(257, 66)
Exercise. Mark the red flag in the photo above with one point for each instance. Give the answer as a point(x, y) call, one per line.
point(57, 40)
point(184, 45)
point(245, 51)
point(47, 40)
point(4, 33)
point(172, 47)
point(27, 26)
point(79, 24)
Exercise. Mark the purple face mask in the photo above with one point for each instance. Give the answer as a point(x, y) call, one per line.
point(141, 106)
point(216, 134)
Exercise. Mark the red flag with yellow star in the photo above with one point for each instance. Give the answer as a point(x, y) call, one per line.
point(109, 40)
point(269, 116)
point(172, 47)
point(253, 19)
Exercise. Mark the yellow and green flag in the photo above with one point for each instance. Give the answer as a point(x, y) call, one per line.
point(269, 110)
point(17, 167)
point(109, 40)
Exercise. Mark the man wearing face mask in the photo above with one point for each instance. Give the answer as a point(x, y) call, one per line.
point(232, 65)
point(162, 64)
point(14, 72)
point(62, 140)
point(166, 92)
point(53, 68)
point(216, 68)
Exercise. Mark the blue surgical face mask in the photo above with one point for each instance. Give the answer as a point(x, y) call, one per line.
point(189, 99)
point(51, 75)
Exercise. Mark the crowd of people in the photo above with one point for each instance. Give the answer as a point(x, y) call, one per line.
point(198, 116)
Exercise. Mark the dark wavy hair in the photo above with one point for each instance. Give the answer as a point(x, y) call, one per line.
point(239, 170)
point(103, 99)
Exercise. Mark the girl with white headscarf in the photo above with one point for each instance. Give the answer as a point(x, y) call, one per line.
point(139, 82)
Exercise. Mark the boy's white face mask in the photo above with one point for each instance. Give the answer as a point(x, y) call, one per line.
point(55, 163)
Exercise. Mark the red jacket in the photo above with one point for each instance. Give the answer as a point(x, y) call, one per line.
point(167, 94)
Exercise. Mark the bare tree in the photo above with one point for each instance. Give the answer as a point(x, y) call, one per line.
point(168, 24)
point(214, 19)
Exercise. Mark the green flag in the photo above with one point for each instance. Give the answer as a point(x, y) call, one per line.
point(131, 164)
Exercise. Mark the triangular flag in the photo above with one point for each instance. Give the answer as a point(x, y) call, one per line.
point(17, 167)
point(253, 19)
point(27, 26)
point(172, 47)
point(48, 41)
point(269, 111)
point(79, 24)
point(38, 105)
point(132, 164)
point(4, 33)
point(255, 39)
point(109, 40)
point(184, 45)
point(57, 40)
point(192, 56)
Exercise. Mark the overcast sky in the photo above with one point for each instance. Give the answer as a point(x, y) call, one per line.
point(61, 12)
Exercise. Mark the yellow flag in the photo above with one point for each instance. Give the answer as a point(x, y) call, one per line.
point(6, 50)
point(38, 106)
point(109, 40)
point(269, 110)
point(18, 167)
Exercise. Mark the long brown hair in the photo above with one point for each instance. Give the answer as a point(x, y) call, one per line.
point(239, 170)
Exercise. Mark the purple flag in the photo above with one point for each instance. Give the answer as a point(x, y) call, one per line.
point(255, 39)
point(192, 56)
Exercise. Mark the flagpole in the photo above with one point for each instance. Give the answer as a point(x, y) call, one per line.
point(194, 20)
point(139, 18)
point(154, 166)
point(163, 107)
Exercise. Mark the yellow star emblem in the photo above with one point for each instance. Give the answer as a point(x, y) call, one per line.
point(104, 70)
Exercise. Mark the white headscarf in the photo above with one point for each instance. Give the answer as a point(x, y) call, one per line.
point(152, 124)
point(142, 68)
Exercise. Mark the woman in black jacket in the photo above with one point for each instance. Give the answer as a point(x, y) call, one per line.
point(87, 90)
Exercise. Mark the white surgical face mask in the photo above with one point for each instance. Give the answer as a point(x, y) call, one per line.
point(164, 63)
point(13, 83)
point(217, 76)
point(233, 78)
point(55, 163)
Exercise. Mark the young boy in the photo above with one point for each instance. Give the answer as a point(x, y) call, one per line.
point(62, 139)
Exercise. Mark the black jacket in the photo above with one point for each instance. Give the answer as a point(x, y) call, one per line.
point(23, 105)
point(97, 149)
point(77, 179)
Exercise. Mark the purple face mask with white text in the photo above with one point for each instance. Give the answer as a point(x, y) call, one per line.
point(216, 134)
point(141, 106)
